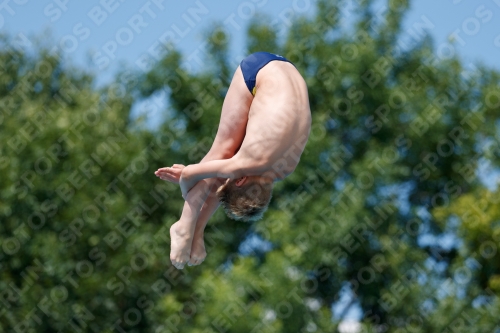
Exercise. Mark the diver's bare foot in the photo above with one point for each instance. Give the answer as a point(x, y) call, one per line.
point(180, 245)
point(198, 252)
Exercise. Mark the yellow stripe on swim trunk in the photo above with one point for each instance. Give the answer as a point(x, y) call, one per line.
point(254, 90)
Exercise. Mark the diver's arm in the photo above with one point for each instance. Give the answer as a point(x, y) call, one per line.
point(193, 173)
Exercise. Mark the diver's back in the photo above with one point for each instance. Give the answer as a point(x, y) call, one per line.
point(279, 119)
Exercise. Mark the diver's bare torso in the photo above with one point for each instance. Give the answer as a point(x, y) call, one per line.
point(279, 121)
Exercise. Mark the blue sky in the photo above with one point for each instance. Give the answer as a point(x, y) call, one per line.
point(103, 35)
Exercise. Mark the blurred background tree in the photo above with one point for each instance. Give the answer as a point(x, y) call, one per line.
point(388, 217)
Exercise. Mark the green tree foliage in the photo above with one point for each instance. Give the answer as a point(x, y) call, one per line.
point(399, 135)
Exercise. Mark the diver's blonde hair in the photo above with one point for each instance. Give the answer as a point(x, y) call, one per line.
point(247, 202)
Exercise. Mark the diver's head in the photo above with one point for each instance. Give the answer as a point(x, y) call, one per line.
point(246, 198)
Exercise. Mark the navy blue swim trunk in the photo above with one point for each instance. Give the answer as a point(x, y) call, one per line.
point(252, 64)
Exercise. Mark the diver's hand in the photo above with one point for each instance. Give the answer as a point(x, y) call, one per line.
point(171, 174)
